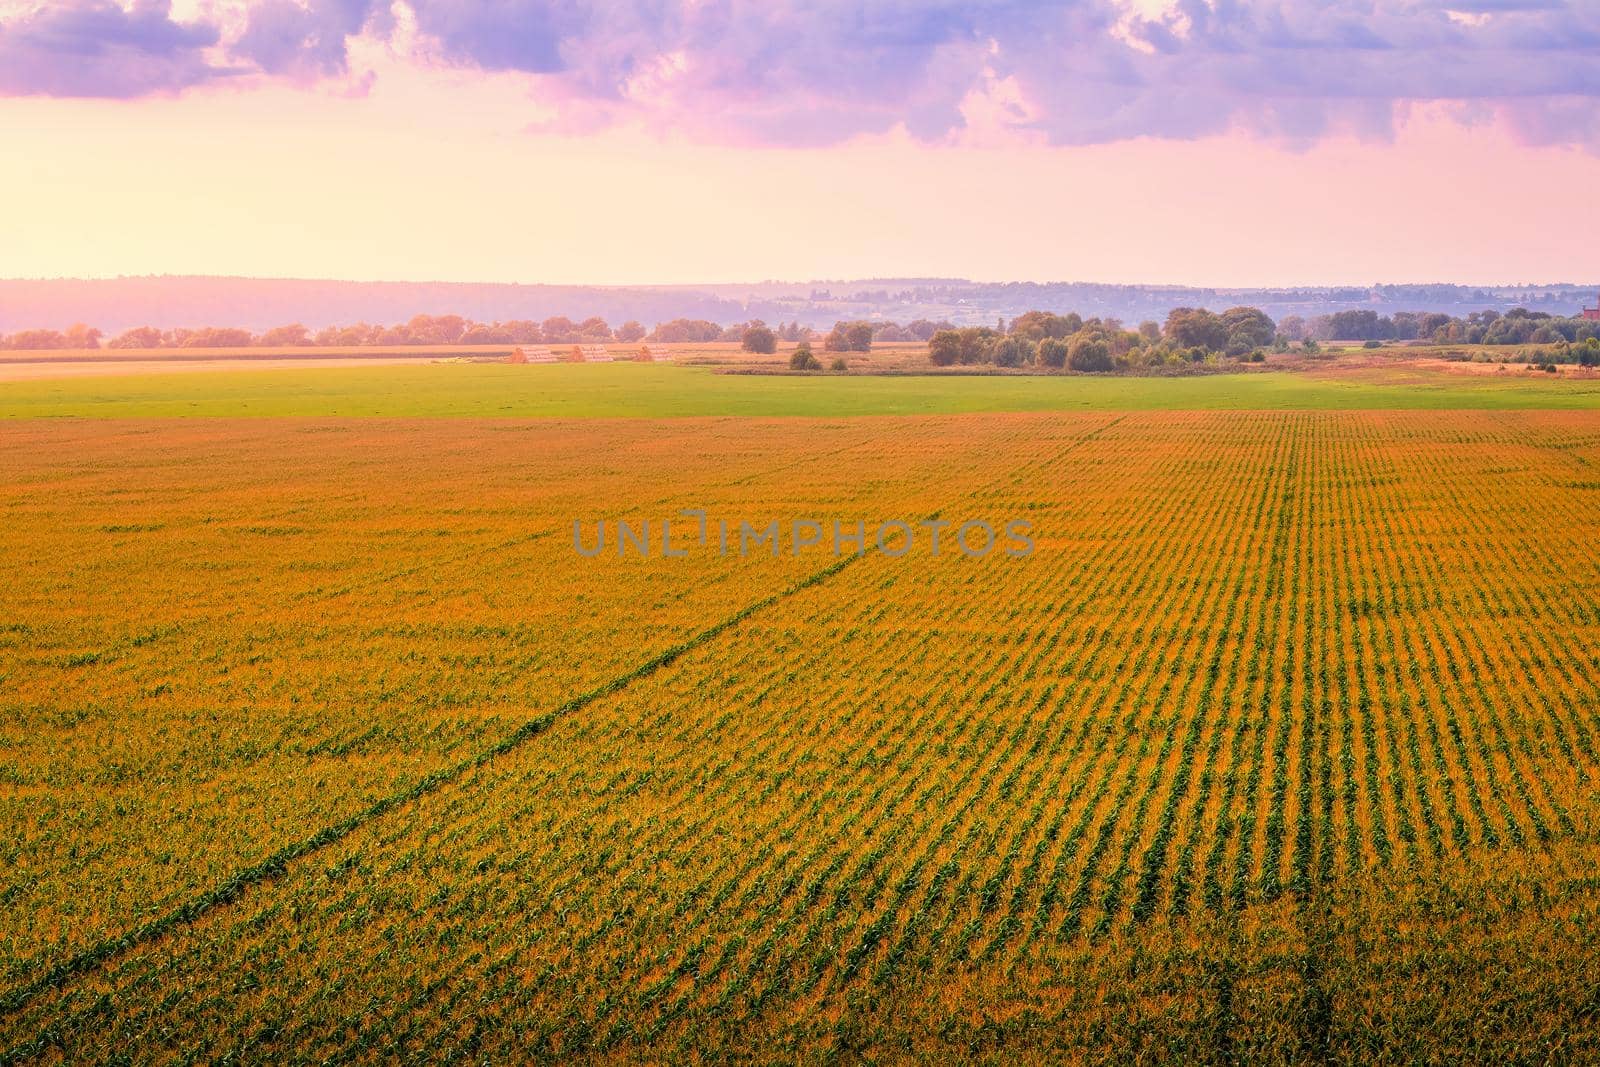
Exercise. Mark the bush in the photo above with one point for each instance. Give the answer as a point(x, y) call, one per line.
point(839, 364)
point(802, 359)
point(1373, 344)
point(759, 339)
point(1258, 356)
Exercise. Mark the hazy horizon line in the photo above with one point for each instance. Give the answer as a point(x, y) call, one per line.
point(863, 279)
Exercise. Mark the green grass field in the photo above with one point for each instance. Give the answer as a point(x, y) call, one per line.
point(641, 390)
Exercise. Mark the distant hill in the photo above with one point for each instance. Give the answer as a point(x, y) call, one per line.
point(260, 303)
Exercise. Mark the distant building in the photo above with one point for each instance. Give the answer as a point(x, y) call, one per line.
point(1592, 314)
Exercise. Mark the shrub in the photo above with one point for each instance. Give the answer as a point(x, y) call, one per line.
point(1373, 344)
point(839, 364)
point(802, 359)
point(759, 339)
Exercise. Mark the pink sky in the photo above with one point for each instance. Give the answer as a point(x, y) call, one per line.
point(394, 169)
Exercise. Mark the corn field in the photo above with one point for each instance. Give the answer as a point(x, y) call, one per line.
point(321, 743)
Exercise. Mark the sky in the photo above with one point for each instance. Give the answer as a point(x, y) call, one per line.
point(1208, 142)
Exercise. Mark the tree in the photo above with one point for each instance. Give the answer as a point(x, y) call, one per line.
point(434, 330)
point(759, 339)
point(849, 337)
point(1293, 328)
point(138, 337)
point(968, 345)
point(1013, 351)
point(924, 330)
point(210, 337)
point(480, 333)
point(629, 332)
point(359, 334)
point(1038, 325)
point(1248, 329)
point(80, 336)
point(1196, 328)
point(36, 339)
point(1090, 354)
point(1053, 352)
point(686, 331)
point(1430, 324)
point(944, 348)
point(290, 336)
point(802, 359)
point(559, 330)
point(1359, 324)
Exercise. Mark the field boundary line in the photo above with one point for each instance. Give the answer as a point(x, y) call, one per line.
point(234, 887)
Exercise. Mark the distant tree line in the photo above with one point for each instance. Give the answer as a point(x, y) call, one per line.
point(420, 330)
point(1037, 338)
point(1097, 345)
point(458, 330)
point(1519, 326)
point(1197, 336)
point(75, 336)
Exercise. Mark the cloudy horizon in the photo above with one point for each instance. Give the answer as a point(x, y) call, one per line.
point(1238, 142)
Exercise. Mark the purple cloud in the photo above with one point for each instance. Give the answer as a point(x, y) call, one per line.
point(95, 48)
point(1086, 71)
point(821, 71)
point(283, 37)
